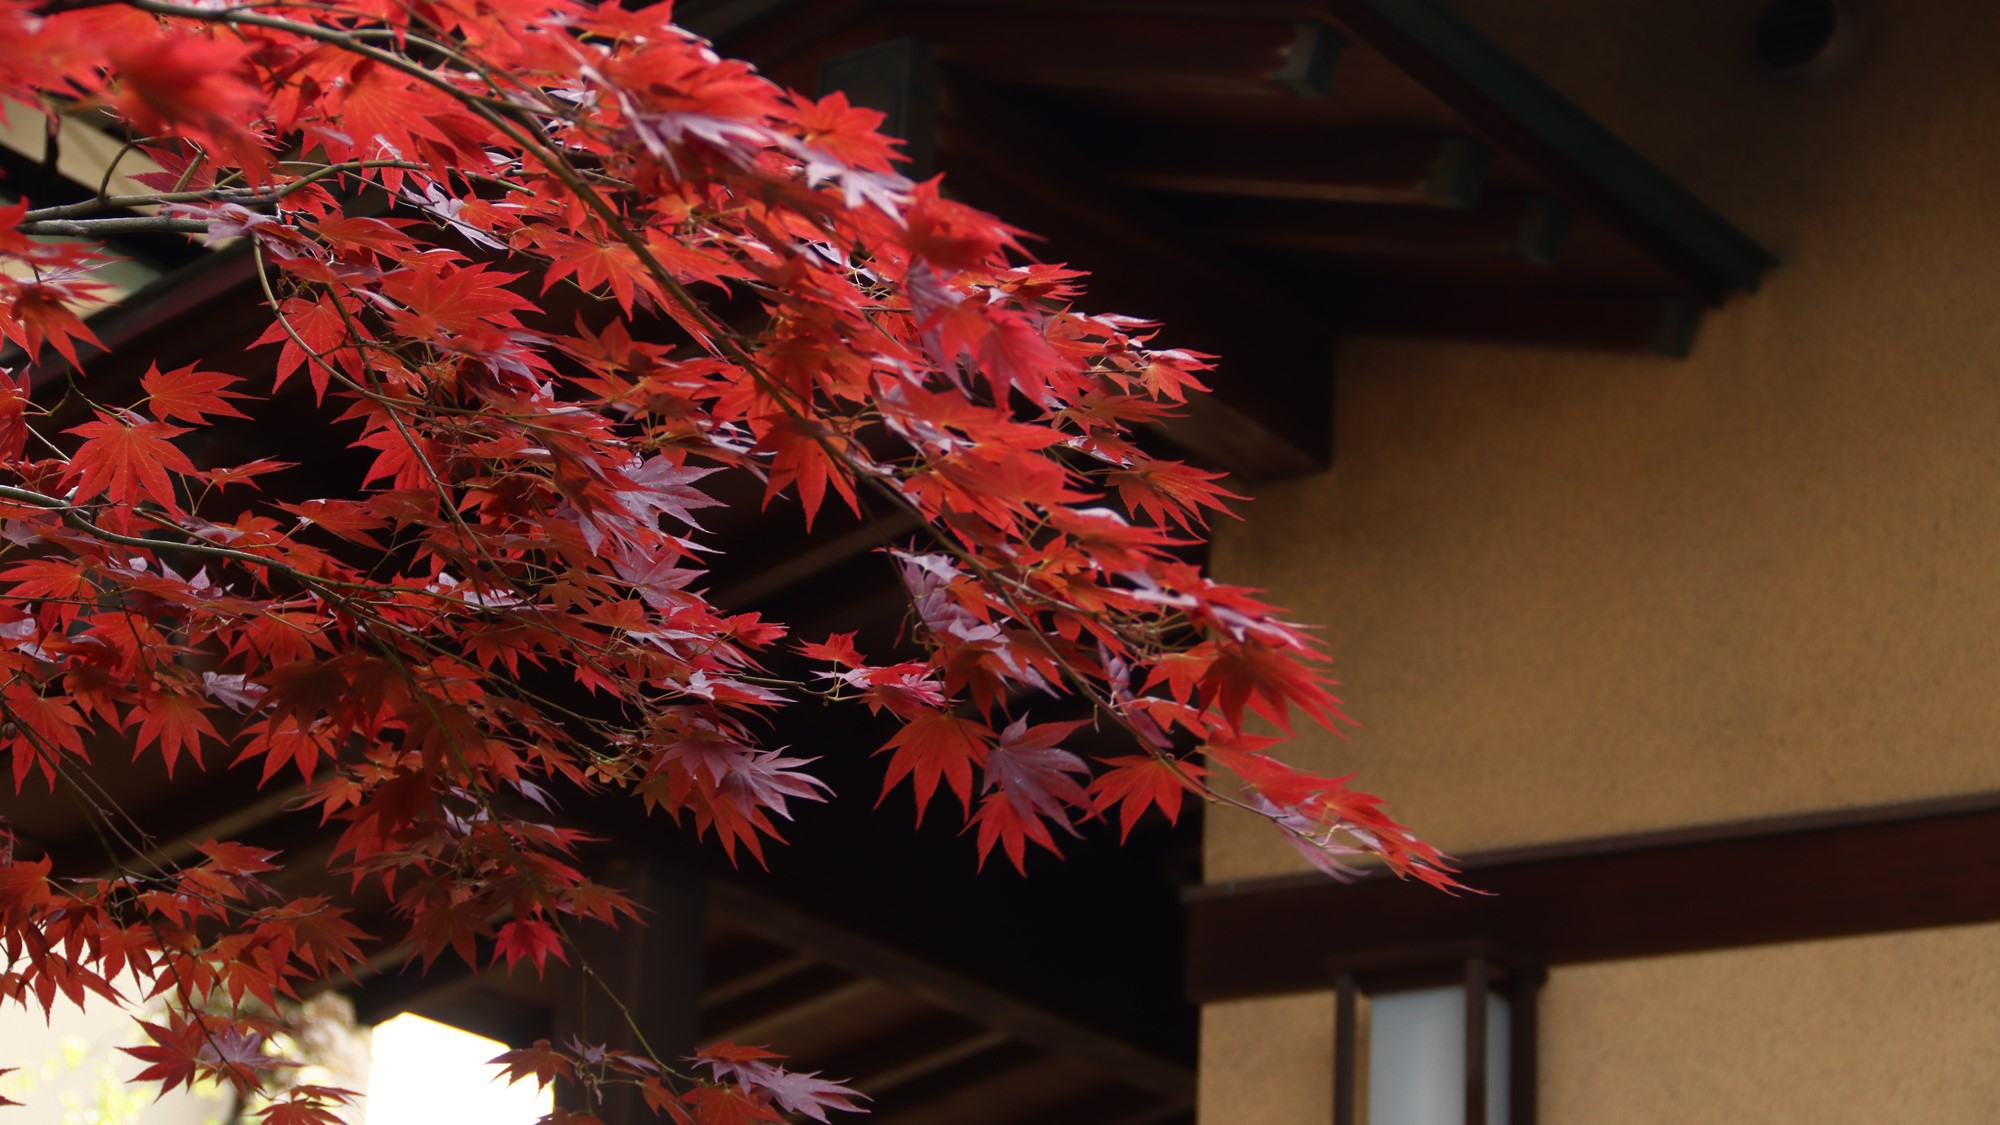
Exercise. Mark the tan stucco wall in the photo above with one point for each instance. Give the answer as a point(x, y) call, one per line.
point(1576, 594)
point(1858, 1031)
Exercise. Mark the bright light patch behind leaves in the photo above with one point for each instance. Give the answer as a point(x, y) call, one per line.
point(425, 1072)
point(67, 1069)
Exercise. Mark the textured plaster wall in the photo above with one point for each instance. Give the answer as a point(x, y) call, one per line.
point(1858, 1031)
point(1574, 594)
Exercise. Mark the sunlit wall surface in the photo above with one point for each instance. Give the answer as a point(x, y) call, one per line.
point(68, 1072)
point(425, 1072)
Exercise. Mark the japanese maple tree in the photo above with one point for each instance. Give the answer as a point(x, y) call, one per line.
point(508, 599)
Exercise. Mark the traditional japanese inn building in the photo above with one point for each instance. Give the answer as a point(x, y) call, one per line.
point(1615, 382)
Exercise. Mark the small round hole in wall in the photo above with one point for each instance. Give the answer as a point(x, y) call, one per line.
point(1803, 38)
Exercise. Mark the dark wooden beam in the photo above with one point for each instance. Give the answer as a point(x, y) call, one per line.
point(965, 1088)
point(906, 1053)
point(1080, 48)
point(1523, 1046)
point(773, 33)
point(637, 988)
point(1020, 1021)
point(1272, 414)
point(811, 558)
point(1346, 1052)
point(763, 1016)
point(384, 994)
point(218, 291)
point(1110, 1105)
point(1834, 874)
point(1158, 1115)
point(1511, 105)
point(722, 986)
point(1518, 227)
point(224, 804)
point(1659, 324)
point(722, 20)
point(1413, 169)
point(898, 78)
point(1476, 980)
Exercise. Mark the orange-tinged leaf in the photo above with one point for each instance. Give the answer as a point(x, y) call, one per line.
point(237, 859)
point(538, 1060)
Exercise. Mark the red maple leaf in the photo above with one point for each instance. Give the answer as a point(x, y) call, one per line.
point(24, 887)
point(933, 746)
point(45, 312)
point(803, 1093)
point(1033, 784)
point(538, 1060)
point(176, 722)
point(531, 938)
point(845, 131)
point(233, 858)
point(183, 80)
point(126, 459)
point(188, 395)
point(1136, 783)
point(15, 406)
point(313, 332)
point(784, 312)
point(300, 1111)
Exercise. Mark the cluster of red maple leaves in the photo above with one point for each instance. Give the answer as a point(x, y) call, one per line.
point(412, 179)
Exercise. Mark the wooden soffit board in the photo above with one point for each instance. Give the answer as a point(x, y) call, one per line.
point(1268, 176)
point(1361, 106)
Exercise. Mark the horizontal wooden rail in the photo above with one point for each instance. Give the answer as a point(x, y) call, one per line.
point(1834, 874)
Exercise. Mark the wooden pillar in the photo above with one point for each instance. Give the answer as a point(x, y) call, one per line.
point(637, 987)
point(1477, 979)
point(1522, 1083)
point(1346, 1047)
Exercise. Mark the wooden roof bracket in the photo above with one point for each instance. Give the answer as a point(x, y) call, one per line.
point(1499, 94)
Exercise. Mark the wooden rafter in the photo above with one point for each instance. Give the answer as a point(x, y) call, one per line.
point(876, 960)
point(1525, 227)
point(1272, 414)
point(1499, 95)
point(1412, 169)
point(1081, 48)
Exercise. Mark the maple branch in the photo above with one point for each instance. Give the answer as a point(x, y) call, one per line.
point(98, 817)
point(102, 228)
point(614, 222)
point(240, 195)
point(516, 511)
